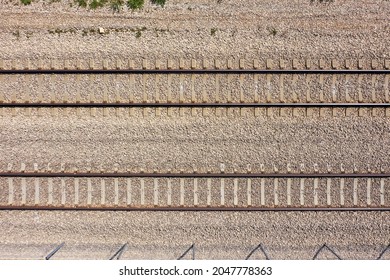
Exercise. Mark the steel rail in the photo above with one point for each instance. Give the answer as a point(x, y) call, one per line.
point(199, 208)
point(230, 104)
point(192, 175)
point(190, 71)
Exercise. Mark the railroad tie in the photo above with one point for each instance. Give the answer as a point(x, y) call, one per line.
point(276, 191)
point(369, 191)
point(63, 192)
point(289, 192)
point(208, 191)
point(355, 191)
point(169, 192)
point(24, 184)
point(382, 192)
point(262, 192)
point(181, 191)
point(142, 183)
point(76, 191)
point(302, 187)
point(328, 191)
point(249, 192)
point(2, 99)
point(181, 94)
point(315, 191)
point(196, 192)
point(386, 89)
point(144, 93)
point(193, 95)
point(222, 168)
point(10, 191)
point(50, 191)
point(276, 187)
point(10, 186)
point(302, 192)
point(155, 192)
point(36, 198)
point(342, 183)
point(235, 192)
point(128, 192)
point(249, 187)
point(256, 93)
point(222, 192)
point(116, 191)
point(102, 192)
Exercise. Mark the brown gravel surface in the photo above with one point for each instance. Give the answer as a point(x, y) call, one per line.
point(162, 143)
point(343, 29)
point(197, 29)
point(166, 235)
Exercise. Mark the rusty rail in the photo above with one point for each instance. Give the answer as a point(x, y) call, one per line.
point(193, 175)
point(184, 208)
point(190, 71)
point(198, 104)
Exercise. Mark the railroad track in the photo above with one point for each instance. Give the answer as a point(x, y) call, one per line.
point(221, 191)
point(363, 89)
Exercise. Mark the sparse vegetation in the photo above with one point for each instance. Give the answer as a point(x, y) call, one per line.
point(321, 1)
point(135, 4)
point(116, 5)
point(97, 4)
point(81, 3)
point(16, 34)
point(213, 31)
point(138, 31)
point(59, 31)
point(272, 31)
point(158, 2)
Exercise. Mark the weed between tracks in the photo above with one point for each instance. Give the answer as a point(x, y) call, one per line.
point(321, 1)
point(115, 5)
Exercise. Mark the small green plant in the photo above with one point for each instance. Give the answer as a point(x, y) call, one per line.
point(158, 2)
point(138, 34)
point(135, 4)
point(26, 2)
point(81, 3)
point(213, 31)
point(16, 34)
point(321, 1)
point(97, 4)
point(272, 31)
point(116, 5)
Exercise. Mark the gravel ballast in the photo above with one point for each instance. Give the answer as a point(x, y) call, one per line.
point(166, 235)
point(246, 29)
point(50, 33)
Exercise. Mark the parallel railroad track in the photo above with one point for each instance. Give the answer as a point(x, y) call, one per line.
point(192, 71)
point(200, 88)
point(127, 191)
